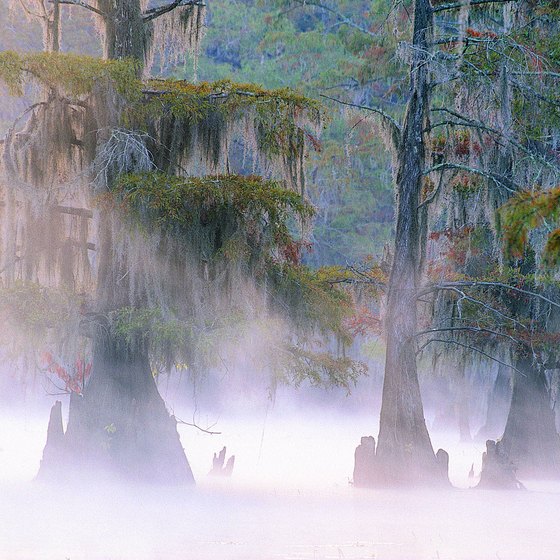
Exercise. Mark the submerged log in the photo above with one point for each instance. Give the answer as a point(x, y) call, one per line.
point(498, 472)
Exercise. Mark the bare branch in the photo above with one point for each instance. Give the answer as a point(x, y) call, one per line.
point(459, 5)
point(478, 283)
point(85, 5)
point(469, 329)
point(467, 122)
point(474, 349)
point(388, 119)
point(194, 425)
point(466, 297)
point(500, 180)
point(154, 13)
point(342, 19)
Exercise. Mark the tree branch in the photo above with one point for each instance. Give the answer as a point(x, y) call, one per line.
point(478, 283)
point(154, 13)
point(467, 122)
point(85, 5)
point(473, 348)
point(388, 119)
point(498, 179)
point(343, 19)
point(459, 5)
point(194, 425)
point(465, 296)
point(468, 329)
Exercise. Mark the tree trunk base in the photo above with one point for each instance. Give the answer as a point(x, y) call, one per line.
point(498, 472)
point(373, 471)
point(119, 430)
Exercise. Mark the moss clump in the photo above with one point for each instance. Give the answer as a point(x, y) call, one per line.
point(186, 99)
point(75, 75)
point(170, 201)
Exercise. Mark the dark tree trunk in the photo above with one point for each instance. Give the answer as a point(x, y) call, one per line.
point(498, 472)
point(530, 438)
point(52, 30)
point(119, 428)
point(404, 451)
point(498, 406)
point(124, 33)
point(463, 409)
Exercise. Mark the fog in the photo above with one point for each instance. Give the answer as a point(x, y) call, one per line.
point(289, 497)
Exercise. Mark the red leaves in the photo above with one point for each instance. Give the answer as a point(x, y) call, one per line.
point(292, 251)
point(363, 322)
point(314, 141)
point(73, 383)
point(471, 32)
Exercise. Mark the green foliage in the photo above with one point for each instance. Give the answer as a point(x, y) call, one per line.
point(164, 336)
point(178, 201)
point(320, 369)
point(278, 117)
point(73, 74)
point(311, 299)
point(276, 43)
point(529, 210)
point(36, 309)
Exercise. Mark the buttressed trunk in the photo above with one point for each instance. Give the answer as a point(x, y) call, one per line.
point(530, 439)
point(404, 452)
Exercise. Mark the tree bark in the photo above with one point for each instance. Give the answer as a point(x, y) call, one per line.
point(498, 406)
point(530, 438)
point(119, 429)
point(124, 34)
point(404, 452)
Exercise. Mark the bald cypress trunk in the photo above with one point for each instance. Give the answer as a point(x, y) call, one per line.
point(404, 452)
point(530, 439)
point(123, 29)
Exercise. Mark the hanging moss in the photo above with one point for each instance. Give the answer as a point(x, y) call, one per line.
point(35, 309)
point(273, 125)
point(231, 217)
point(189, 124)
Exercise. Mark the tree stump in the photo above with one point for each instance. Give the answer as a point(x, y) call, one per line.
point(498, 472)
point(218, 468)
point(364, 462)
point(53, 452)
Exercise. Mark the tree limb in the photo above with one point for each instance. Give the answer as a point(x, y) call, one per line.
point(154, 13)
point(85, 5)
point(394, 126)
point(478, 283)
point(468, 329)
point(194, 425)
point(459, 5)
point(498, 179)
point(474, 349)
